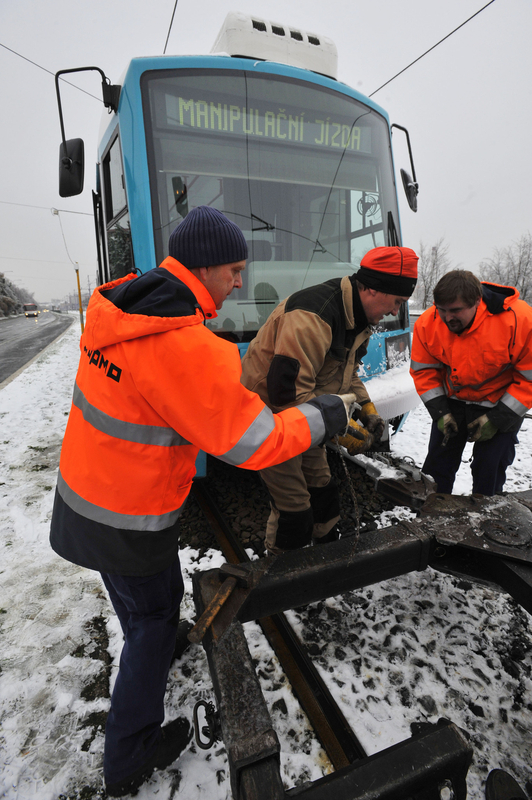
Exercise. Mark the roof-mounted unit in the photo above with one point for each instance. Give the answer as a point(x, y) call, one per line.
point(253, 37)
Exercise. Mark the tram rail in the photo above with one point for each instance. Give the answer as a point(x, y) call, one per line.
point(332, 729)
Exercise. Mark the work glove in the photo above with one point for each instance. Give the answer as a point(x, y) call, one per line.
point(371, 420)
point(481, 429)
point(350, 405)
point(356, 439)
point(447, 425)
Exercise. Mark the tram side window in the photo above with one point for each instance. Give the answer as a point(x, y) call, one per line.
point(119, 247)
point(117, 216)
point(114, 181)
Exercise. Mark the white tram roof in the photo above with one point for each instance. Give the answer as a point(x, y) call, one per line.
point(254, 37)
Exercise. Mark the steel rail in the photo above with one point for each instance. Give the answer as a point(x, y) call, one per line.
point(331, 727)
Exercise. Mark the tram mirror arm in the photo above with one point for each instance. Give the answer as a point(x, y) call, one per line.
point(410, 184)
point(71, 151)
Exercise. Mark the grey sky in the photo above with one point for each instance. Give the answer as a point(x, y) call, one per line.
point(467, 106)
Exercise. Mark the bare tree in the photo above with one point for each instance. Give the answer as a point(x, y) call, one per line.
point(511, 266)
point(433, 263)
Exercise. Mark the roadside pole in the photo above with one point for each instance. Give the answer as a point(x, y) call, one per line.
point(79, 299)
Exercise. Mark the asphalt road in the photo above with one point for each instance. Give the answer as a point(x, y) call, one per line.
point(22, 338)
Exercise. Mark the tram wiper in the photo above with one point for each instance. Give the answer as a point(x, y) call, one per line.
point(266, 226)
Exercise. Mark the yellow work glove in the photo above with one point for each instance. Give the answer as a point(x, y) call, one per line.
point(371, 420)
point(356, 439)
point(481, 429)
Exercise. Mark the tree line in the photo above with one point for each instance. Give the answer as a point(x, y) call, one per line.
point(12, 298)
point(510, 266)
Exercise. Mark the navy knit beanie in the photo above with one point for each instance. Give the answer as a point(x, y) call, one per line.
point(206, 238)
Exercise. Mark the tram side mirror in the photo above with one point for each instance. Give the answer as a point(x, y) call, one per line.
point(71, 167)
point(411, 189)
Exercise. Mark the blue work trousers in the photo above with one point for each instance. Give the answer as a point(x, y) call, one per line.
point(148, 610)
point(488, 467)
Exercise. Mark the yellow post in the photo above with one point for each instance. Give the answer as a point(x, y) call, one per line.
point(79, 298)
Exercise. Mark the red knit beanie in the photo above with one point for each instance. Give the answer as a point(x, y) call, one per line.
point(389, 269)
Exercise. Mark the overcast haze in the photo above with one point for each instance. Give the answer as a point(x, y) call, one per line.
point(466, 104)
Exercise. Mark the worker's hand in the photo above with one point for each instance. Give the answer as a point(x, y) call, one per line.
point(447, 425)
point(350, 404)
point(481, 429)
point(371, 420)
point(356, 439)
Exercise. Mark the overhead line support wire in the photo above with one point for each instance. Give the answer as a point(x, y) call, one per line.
point(48, 71)
point(170, 28)
point(431, 48)
point(47, 208)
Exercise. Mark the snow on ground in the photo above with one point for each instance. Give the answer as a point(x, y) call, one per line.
point(412, 649)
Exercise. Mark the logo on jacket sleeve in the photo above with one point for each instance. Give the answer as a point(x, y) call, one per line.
point(110, 369)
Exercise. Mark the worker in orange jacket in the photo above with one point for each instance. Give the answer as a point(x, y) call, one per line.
point(154, 386)
point(472, 367)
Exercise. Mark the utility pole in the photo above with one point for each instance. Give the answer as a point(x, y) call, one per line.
point(79, 299)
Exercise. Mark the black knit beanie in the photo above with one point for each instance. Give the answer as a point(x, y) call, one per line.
point(207, 238)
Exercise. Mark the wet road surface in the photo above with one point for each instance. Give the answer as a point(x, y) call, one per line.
point(22, 338)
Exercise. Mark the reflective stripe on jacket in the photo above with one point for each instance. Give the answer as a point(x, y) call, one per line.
point(154, 386)
point(489, 364)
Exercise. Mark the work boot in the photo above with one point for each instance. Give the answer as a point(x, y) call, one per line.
point(174, 738)
point(288, 530)
point(501, 786)
point(272, 550)
point(332, 536)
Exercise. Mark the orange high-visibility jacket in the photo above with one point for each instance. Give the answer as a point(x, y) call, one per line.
point(489, 364)
point(154, 386)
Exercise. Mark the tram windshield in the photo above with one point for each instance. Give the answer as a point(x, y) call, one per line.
point(305, 172)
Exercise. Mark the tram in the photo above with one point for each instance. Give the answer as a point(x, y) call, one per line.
point(262, 130)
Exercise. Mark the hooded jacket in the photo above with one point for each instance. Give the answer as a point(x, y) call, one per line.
point(488, 364)
point(312, 344)
point(154, 386)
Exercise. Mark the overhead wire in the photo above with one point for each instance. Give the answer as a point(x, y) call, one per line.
point(432, 48)
point(48, 71)
point(172, 22)
point(170, 28)
point(47, 208)
point(55, 213)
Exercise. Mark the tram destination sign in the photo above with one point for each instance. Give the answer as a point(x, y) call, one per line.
point(270, 122)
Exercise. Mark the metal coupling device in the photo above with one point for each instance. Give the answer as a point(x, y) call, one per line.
point(211, 730)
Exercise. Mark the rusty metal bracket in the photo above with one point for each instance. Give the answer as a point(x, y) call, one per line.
point(225, 603)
